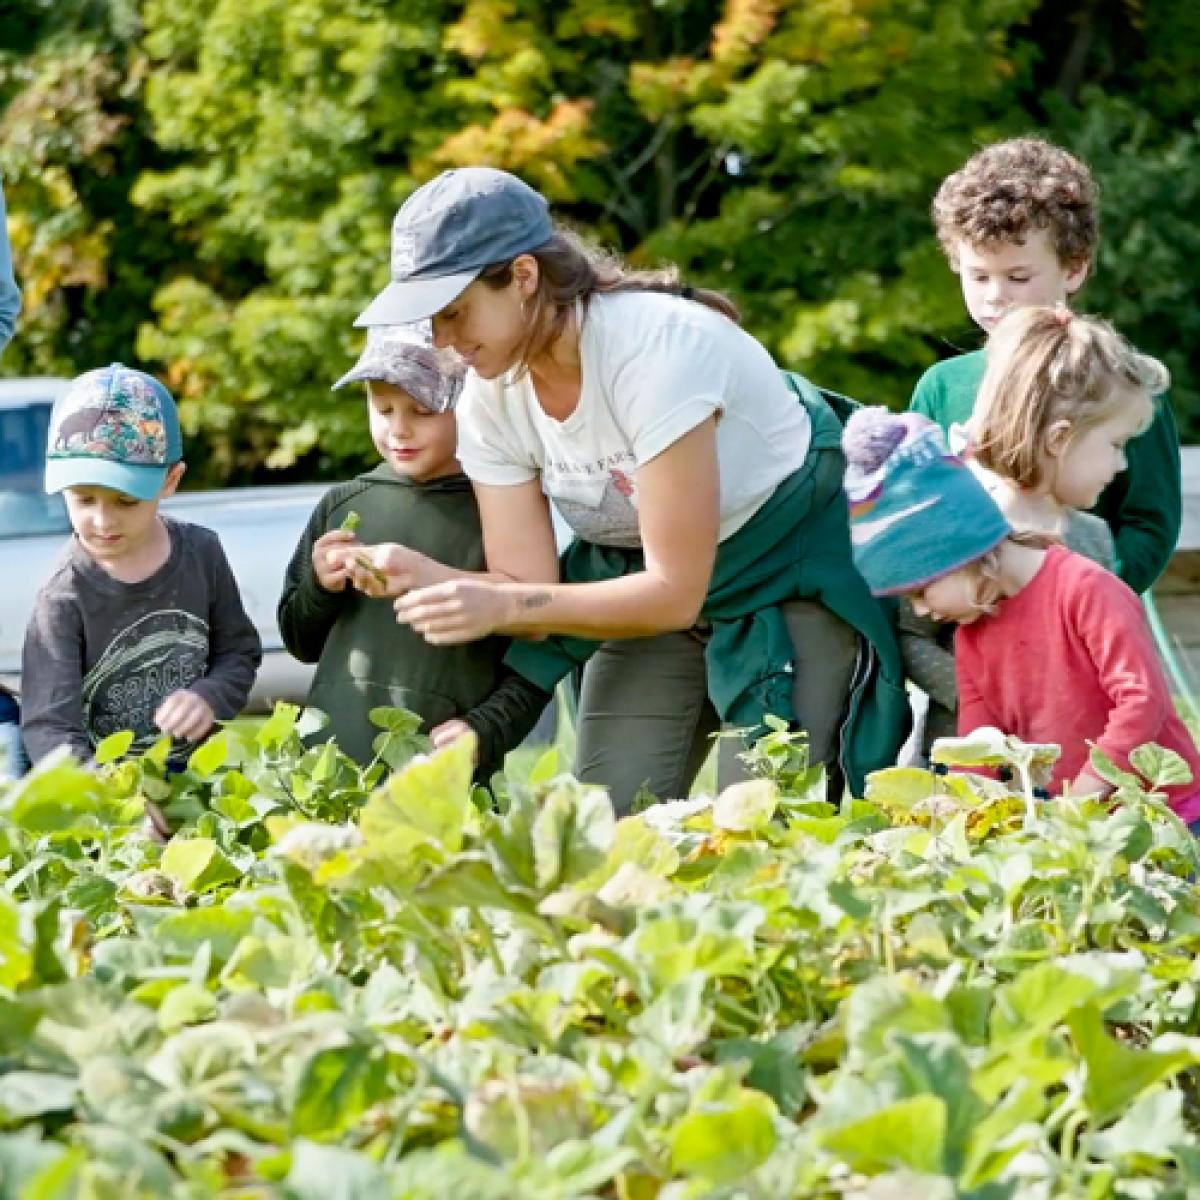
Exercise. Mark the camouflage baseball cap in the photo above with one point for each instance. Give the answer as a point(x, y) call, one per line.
point(114, 427)
point(447, 231)
point(404, 356)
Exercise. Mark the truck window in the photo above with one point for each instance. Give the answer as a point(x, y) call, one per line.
point(25, 509)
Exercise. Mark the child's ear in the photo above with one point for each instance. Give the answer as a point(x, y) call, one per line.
point(1058, 437)
point(1077, 276)
point(174, 475)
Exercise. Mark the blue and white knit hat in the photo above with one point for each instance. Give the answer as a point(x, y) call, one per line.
point(917, 512)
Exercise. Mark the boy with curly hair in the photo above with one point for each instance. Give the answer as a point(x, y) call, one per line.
point(1020, 223)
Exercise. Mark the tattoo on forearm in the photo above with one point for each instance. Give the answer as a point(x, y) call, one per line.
point(537, 600)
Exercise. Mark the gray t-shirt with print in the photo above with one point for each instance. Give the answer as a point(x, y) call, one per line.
point(101, 655)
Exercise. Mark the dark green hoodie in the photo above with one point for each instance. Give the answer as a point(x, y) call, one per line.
point(364, 657)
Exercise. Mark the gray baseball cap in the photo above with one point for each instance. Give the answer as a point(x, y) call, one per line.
point(447, 231)
point(405, 357)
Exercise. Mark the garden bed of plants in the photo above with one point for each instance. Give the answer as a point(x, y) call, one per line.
point(332, 985)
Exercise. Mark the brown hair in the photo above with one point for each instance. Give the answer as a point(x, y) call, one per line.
point(1046, 365)
point(1009, 189)
point(571, 269)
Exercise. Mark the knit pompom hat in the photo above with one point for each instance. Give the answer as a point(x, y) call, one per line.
point(917, 512)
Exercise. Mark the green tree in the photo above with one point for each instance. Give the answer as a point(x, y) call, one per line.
point(209, 188)
point(73, 137)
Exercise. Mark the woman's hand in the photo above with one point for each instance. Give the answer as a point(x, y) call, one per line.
point(448, 614)
point(387, 569)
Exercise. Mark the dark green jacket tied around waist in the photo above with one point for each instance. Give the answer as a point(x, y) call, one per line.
point(796, 547)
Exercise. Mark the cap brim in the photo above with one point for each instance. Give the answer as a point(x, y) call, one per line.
point(407, 300)
point(140, 482)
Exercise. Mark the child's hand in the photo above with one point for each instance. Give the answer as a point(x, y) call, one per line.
point(1087, 784)
point(449, 731)
point(330, 560)
point(186, 715)
point(388, 569)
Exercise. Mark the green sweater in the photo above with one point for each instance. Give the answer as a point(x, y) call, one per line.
point(1143, 505)
point(796, 547)
point(364, 657)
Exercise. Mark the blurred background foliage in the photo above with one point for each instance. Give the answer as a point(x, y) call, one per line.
point(205, 187)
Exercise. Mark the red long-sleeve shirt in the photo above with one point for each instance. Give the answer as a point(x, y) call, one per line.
point(1069, 659)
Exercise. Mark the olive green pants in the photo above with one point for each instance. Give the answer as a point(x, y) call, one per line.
point(646, 722)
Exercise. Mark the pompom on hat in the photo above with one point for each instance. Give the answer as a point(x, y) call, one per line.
point(917, 512)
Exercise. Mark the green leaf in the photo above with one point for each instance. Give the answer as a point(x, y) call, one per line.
point(16, 959)
point(572, 834)
point(197, 864)
point(395, 720)
point(910, 1133)
point(1163, 768)
point(23, 1156)
point(1117, 1074)
point(115, 746)
point(545, 769)
point(678, 1020)
point(182, 934)
point(186, 1004)
point(1153, 1127)
point(774, 1066)
point(989, 747)
point(335, 1087)
point(63, 797)
point(429, 800)
point(746, 807)
point(279, 727)
point(25, 1094)
point(1041, 997)
point(725, 1144)
point(210, 756)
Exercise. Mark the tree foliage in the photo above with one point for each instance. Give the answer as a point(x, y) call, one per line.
point(209, 188)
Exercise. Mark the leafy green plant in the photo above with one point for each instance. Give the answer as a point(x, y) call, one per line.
point(345, 982)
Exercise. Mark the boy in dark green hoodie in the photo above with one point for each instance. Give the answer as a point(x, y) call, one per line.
point(417, 496)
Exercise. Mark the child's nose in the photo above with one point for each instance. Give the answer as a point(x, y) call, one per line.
point(441, 333)
point(919, 606)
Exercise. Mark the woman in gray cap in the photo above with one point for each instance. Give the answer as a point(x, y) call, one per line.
point(711, 579)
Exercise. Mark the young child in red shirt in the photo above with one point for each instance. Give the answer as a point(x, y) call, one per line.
point(1050, 647)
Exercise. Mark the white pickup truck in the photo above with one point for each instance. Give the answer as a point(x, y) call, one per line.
point(258, 526)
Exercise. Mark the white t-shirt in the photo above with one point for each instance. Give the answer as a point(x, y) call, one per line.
point(654, 367)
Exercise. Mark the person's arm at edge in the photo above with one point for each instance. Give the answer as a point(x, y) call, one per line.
point(306, 611)
point(235, 650)
point(52, 680)
point(10, 294)
point(1147, 523)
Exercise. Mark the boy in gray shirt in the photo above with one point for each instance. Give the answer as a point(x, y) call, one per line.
point(141, 626)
